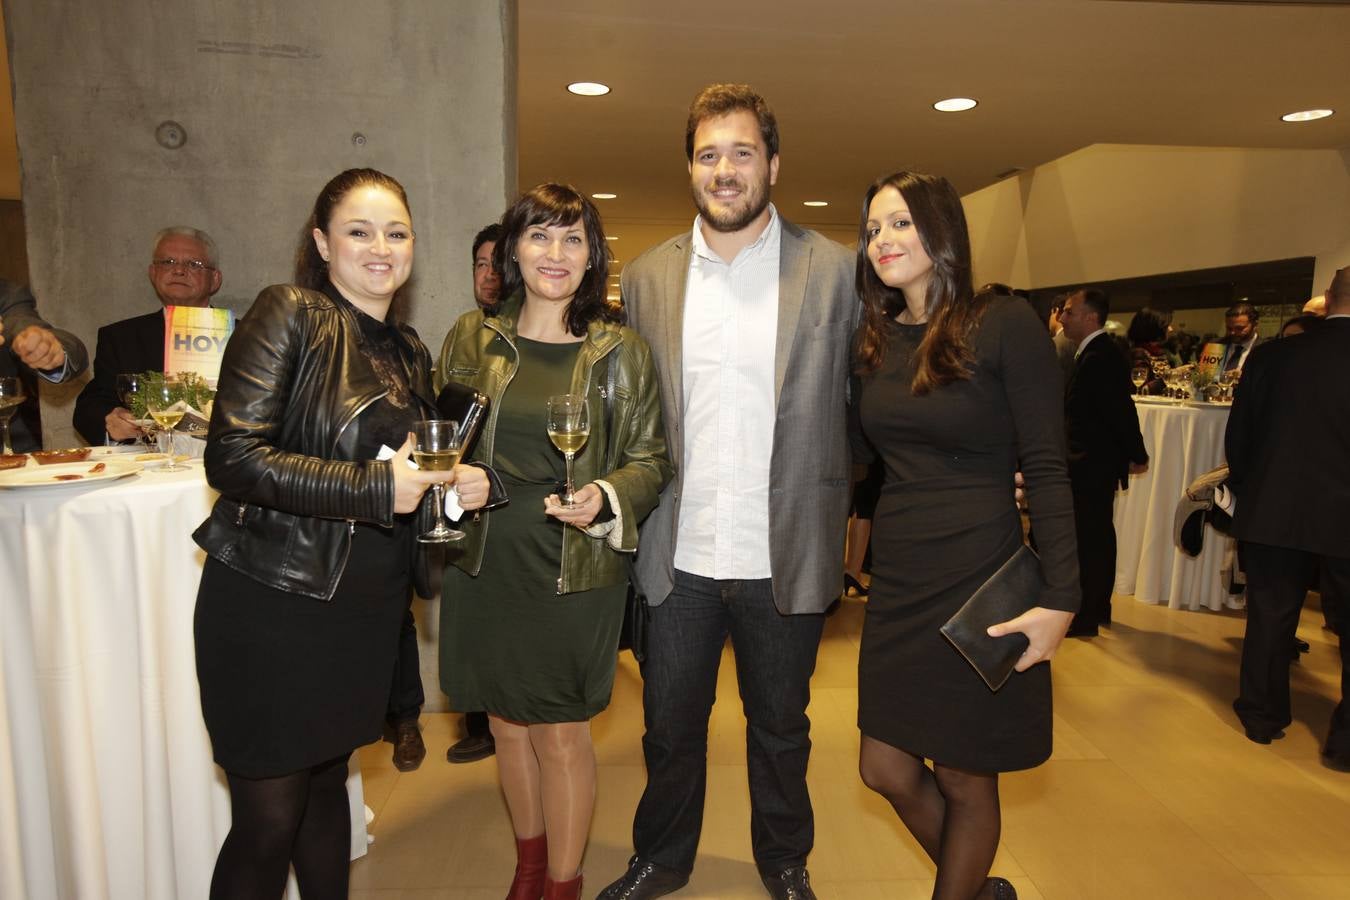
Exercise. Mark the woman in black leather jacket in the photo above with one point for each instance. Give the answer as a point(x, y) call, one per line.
point(310, 546)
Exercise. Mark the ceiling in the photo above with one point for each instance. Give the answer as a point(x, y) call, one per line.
point(853, 83)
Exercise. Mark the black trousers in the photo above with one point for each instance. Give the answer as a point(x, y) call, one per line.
point(405, 694)
point(1093, 507)
point(1277, 583)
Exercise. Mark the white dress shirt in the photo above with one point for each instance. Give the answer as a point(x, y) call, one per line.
point(730, 331)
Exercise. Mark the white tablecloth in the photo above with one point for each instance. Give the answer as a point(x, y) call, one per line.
point(1183, 441)
point(107, 787)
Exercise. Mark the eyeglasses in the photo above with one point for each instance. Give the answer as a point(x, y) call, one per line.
point(194, 265)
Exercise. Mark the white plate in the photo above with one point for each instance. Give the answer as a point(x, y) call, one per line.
point(46, 476)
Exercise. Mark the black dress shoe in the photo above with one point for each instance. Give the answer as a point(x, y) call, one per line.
point(409, 751)
point(471, 749)
point(644, 881)
point(853, 587)
point(790, 884)
point(1263, 735)
point(1336, 761)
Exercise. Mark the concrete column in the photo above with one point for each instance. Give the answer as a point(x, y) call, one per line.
point(136, 115)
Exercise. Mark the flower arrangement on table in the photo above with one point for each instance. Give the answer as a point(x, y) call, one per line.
point(194, 392)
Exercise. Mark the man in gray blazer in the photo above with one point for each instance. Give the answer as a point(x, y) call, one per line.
point(750, 320)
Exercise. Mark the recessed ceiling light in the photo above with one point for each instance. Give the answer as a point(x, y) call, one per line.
point(955, 104)
point(611, 237)
point(604, 196)
point(815, 203)
point(1307, 115)
point(588, 88)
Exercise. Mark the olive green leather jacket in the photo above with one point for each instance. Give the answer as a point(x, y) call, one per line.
point(480, 351)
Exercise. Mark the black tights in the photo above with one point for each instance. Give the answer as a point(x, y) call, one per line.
point(952, 813)
point(300, 819)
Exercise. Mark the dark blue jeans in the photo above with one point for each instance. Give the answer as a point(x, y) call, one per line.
point(775, 657)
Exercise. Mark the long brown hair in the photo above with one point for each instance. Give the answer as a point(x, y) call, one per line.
point(952, 307)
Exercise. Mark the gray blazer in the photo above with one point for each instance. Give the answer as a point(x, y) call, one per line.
point(818, 310)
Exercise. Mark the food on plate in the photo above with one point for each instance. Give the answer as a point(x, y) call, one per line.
point(74, 454)
point(13, 461)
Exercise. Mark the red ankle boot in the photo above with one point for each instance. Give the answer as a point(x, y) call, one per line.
point(562, 890)
point(531, 868)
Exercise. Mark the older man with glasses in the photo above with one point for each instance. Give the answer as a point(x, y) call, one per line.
point(184, 271)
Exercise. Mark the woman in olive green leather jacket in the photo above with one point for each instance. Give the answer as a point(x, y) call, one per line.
point(532, 607)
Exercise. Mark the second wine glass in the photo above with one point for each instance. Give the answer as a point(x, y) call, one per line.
point(568, 427)
point(165, 404)
point(11, 398)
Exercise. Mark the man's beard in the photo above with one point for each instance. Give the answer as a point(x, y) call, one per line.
point(754, 199)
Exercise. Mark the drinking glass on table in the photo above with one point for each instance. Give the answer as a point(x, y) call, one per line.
point(437, 450)
point(164, 403)
point(128, 390)
point(11, 396)
point(568, 427)
point(1138, 375)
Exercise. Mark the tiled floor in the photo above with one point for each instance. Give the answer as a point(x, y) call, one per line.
point(1153, 792)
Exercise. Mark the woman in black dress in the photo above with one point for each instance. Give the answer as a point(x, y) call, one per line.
point(310, 545)
point(953, 396)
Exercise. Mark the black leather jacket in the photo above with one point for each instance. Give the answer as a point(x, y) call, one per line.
point(281, 449)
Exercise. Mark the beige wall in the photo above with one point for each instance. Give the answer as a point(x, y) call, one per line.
point(1116, 211)
point(271, 97)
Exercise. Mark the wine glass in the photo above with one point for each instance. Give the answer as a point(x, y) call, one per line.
point(11, 396)
point(1138, 375)
point(128, 389)
point(568, 427)
point(1227, 379)
point(437, 450)
point(164, 403)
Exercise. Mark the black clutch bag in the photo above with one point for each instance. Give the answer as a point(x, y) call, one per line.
point(465, 405)
point(1015, 588)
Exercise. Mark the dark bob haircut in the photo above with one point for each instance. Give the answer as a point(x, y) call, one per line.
point(559, 204)
point(717, 100)
point(944, 355)
point(1149, 326)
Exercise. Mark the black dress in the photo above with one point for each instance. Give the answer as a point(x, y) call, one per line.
point(288, 682)
point(945, 522)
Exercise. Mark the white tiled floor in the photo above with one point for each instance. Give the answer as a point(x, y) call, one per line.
point(1153, 791)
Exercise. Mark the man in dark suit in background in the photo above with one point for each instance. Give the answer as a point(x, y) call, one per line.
point(1241, 322)
point(1105, 447)
point(1288, 445)
point(184, 272)
point(30, 347)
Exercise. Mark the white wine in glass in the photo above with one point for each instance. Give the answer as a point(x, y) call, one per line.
point(568, 427)
point(163, 403)
point(1138, 375)
point(11, 398)
point(437, 450)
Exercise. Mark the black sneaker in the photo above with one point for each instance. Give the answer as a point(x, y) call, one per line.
point(790, 884)
point(644, 881)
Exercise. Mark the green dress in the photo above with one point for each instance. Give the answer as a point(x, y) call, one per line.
point(509, 643)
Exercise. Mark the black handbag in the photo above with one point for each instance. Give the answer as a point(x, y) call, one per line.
point(465, 405)
point(633, 632)
point(1015, 588)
